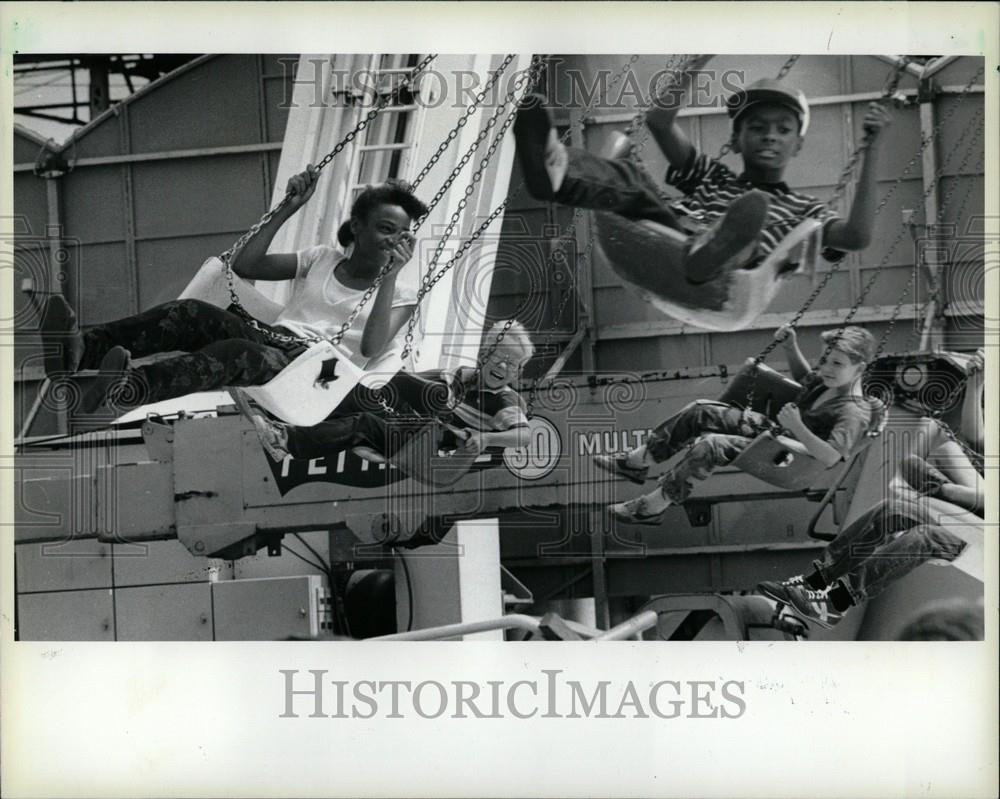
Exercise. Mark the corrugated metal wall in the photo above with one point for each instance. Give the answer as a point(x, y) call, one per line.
point(628, 333)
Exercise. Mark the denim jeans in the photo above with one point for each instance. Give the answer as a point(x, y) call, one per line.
point(714, 433)
point(883, 544)
point(219, 349)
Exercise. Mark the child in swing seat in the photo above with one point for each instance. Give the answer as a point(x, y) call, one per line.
point(827, 418)
point(729, 220)
point(222, 349)
point(479, 403)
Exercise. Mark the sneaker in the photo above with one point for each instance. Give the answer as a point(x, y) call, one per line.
point(273, 436)
point(921, 476)
point(731, 241)
point(58, 326)
point(810, 606)
point(619, 146)
point(532, 129)
point(114, 371)
point(618, 465)
point(635, 511)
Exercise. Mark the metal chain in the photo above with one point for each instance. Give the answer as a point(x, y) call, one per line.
point(229, 255)
point(462, 120)
point(433, 275)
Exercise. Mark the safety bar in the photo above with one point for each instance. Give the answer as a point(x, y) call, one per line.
point(630, 627)
point(512, 621)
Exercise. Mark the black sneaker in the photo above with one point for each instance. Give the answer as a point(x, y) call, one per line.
point(113, 371)
point(618, 464)
point(58, 327)
point(531, 135)
point(810, 606)
point(731, 241)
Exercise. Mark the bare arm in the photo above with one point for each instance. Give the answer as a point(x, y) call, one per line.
point(791, 420)
point(972, 424)
point(855, 233)
point(384, 321)
point(662, 119)
point(253, 262)
point(797, 363)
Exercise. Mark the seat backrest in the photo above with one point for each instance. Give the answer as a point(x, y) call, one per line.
point(771, 389)
point(210, 285)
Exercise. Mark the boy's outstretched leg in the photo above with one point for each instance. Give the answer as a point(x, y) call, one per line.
point(731, 241)
point(579, 179)
point(534, 134)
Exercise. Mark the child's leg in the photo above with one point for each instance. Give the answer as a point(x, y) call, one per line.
point(692, 421)
point(861, 539)
point(232, 362)
point(575, 177)
point(703, 456)
point(900, 556)
point(334, 435)
point(185, 325)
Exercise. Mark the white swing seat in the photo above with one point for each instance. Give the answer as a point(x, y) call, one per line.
point(302, 394)
point(646, 255)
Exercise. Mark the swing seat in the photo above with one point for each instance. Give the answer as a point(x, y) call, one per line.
point(766, 457)
point(421, 460)
point(312, 386)
point(648, 257)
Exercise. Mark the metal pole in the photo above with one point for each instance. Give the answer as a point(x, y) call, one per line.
point(627, 629)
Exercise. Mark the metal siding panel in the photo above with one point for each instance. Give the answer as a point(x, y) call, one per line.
point(26, 149)
point(73, 564)
point(30, 202)
point(66, 616)
point(968, 195)
point(164, 562)
point(869, 74)
point(960, 71)
point(198, 195)
point(909, 196)
point(648, 354)
point(890, 283)
point(262, 610)
point(277, 93)
point(104, 293)
point(167, 265)
point(93, 203)
point(900, 144)
point(216, 102)
point(959, 124)
point(164, 613)
point(286, 564)
point(102, 140)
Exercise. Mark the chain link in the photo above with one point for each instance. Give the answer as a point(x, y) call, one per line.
point(462, 120)
point(229, 255)
point(433, 275)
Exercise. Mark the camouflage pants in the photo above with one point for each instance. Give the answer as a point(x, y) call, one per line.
point(883, 544)
point(711, 434)
point(218, 349)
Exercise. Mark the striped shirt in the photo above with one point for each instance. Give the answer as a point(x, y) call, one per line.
point(710, 187)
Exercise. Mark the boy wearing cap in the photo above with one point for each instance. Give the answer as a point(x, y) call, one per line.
point(730, 220)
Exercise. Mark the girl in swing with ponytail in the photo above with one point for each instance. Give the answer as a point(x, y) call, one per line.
point(223, 349)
